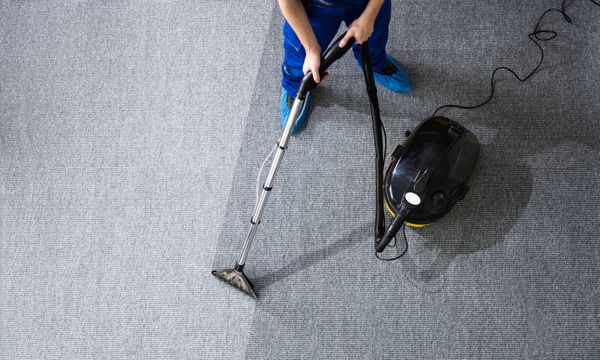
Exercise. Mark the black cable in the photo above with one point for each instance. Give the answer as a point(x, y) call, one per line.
point(536, 37)
point(399, 255)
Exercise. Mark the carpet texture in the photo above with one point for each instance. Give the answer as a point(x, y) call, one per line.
point(130, 138)
point(512, 272)
point(119, 132)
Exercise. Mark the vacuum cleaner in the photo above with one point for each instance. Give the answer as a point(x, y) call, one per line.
point(427, 176)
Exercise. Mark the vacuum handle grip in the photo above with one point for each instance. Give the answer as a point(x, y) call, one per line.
point(331, 55)
point(334, 53)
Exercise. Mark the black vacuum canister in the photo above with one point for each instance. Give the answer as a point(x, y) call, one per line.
point(437, 159)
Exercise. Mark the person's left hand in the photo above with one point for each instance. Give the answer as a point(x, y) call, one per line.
point(360, 29)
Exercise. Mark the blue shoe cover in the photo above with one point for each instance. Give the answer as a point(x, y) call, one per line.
point(285, 111)
point(398, 82)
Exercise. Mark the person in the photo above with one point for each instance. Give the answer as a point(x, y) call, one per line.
point(310, 26)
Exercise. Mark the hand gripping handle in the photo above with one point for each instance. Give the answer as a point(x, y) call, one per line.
point(331, 55)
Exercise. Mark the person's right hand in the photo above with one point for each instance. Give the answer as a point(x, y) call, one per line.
point(312, 61)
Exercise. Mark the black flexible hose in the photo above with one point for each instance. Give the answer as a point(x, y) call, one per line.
point(378, 139)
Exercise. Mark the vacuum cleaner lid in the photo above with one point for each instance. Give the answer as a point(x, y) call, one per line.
point(435, 161)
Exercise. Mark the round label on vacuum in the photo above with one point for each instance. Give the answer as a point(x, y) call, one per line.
point(412, 198)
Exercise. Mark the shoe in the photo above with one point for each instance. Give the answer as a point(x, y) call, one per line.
point(286, 107)
point(393, 77)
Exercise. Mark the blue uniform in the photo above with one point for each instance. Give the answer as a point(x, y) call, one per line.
point(332, 3)
point(325, 17)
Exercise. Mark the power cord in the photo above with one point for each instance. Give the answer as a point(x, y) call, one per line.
point(258, 177)
point(538, 35)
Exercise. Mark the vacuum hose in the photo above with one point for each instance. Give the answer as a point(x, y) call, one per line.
point(410, 200)
point(331, 55)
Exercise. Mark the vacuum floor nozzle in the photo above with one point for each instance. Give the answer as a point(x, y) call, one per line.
point(236, 278)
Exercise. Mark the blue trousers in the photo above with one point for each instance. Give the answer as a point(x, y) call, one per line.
point(325, 22)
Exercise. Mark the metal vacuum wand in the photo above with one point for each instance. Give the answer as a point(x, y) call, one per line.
point(236, 276)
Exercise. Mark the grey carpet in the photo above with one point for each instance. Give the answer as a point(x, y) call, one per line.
point(130, 136)
point(119, 132)
point(512, 272)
